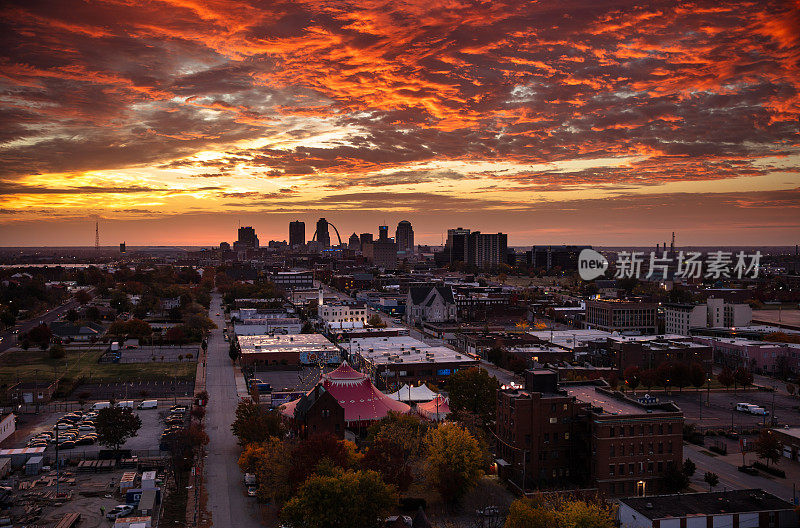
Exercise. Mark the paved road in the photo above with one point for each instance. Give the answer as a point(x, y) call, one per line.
point(8, 339)
point(730, 477)
point(228, 503)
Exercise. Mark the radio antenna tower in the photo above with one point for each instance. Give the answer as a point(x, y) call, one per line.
point(96, 233)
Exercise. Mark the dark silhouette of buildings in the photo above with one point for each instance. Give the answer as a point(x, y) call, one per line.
point(297, 233)
point(247, 238)
point(404, 236)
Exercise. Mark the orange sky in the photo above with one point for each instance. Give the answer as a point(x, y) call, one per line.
point(608, 123)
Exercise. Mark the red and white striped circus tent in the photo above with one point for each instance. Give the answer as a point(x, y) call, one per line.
point(435, 410)
point(363, 403)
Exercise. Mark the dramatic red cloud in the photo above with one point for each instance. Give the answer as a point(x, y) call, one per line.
point(331, 96)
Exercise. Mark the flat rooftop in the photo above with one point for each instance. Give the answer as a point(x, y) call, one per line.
point(610, 405)
point(386, 343)
point(714, 503)
point(402, 350)
point(286, 343)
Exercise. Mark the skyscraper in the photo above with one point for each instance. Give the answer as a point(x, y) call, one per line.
point(486, 250)
point(297, 233)
point(247, 238)
point(354, 243)
point(383, 233)
point(457, 244)
point(404, 236)
point(366, 238)
point(323, 237)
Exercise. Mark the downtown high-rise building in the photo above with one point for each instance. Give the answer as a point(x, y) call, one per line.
point(297, 233)
point(457, 244)
point(481, 250)
point(246, 238)
point(383, 233)
point(404, 237)
point(323, 236)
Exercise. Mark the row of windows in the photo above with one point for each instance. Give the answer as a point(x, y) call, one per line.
point(631, 451)
point(641, 429)
point(619, 470)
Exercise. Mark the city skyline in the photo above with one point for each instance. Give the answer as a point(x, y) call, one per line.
point(176, 121)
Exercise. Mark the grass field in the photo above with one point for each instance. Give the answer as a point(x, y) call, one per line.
point(30, 365)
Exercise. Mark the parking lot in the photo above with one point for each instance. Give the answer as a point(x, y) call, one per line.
point(146, 442)
point(720, 411)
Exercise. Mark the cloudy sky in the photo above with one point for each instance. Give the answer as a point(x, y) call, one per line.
point(173, 121)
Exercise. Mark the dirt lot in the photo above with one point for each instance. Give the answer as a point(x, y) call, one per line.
point(78, 492)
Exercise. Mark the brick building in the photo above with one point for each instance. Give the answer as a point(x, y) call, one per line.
point(633, 443)
point(622, 316)
point(317, 412)
point(584, 434)
point(543, 434)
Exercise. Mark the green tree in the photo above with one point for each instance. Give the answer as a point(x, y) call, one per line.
point(376, 321)
point(675, 480)
point(341, 498)
point(254, 424)
point(475, 392)
point(115, 425)
point(689, 467)
point(712, 479)
point(233, 350)
point(453, 461)
point(57, 351)
point(768, 447)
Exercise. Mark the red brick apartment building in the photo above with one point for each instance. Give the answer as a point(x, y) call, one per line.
point(583, 434)
point(544, 427)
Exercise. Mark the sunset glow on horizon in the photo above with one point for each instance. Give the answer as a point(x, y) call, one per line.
point(610, 123)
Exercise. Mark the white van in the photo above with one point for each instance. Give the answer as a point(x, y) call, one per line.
point(148, 404)
point(755, 409)
point(127, 404)
point(744, 407)
point(100, 405)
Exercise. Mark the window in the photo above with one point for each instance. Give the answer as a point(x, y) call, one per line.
point(610, 431)
point(612, 451)
point(566, 437)
point(555, 420)
point(611, 470)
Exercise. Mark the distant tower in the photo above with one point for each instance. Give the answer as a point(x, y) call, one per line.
point(96, 234)
point(323, 236)
point(122, 247)
point(404, 236)
point(672, 245)
point(354, 243)
point(383, 233)
point(297, 233)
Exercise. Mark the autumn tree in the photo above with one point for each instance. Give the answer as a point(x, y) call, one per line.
point(556, 513)
point(680, 375)
point(453, 461)
point(743, 377)
point(697, 375)
point(339, 498)
point(725, 377)
point(632, 377)
point(376, 321)
point(254, 424)
point(768, 447)
point(270, 461)
point(396, 448)
point(307, 454)
point(115, 425)
point(474, 392)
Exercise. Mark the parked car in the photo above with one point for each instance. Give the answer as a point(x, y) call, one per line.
point(488, 511)
point(85, 440)
point(62, 426)
point(119, 511)
point(86, 428)
point(69, 444)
